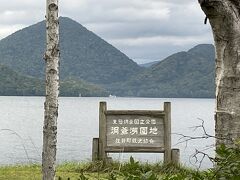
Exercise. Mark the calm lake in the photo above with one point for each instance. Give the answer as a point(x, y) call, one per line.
point(21, 121)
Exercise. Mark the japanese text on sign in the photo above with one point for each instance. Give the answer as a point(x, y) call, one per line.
point(142, 131)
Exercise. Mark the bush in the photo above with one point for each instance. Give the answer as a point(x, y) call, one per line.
point(228, 162)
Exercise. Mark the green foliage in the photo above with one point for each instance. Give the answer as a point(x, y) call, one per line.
point(84, 55)
point(12, 83)
point(15, 84)
point(227, 166)
point(112, 176)
point(87, 57)
point(228, 162)
point(82, 176)
point(73, 88)
point(132, 168)
point(134, 171)
point(184, 74)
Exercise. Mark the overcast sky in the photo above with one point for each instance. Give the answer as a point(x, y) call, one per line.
point(145, 30)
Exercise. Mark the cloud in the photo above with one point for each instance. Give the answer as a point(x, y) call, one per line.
point(95, 11)
point(142, 29)
point(5, 30)
point(16, 17)
point(161, 40)
point(24, 12)
point(160, 46)
point(175, 20)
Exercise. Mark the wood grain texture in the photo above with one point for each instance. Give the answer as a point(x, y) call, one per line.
point(95, 149)
point(167, 135)
point(135, 112)
point(135, 130)
point(175, 156)
point(102, 130)
point(134, 149)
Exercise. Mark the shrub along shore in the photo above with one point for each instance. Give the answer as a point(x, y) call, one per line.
point(227, 159)
point(132, 170)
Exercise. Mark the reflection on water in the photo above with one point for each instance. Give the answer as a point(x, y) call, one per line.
point(21, 122)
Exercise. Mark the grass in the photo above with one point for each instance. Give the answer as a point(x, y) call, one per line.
point(33, 172)
point(89, 170)
point(20, 172)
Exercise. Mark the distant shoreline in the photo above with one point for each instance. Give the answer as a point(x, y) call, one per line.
point(113, 98)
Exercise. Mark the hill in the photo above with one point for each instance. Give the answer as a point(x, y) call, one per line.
point(146, 65)
point(15, 84)
point(91, 65)
point(184, 74)
point(84, 55)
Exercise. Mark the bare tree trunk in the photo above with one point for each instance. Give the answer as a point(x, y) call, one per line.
point(52, 90)
point(224, 17)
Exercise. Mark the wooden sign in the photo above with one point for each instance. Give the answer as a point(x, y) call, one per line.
point(134, 131)
point(137, 131)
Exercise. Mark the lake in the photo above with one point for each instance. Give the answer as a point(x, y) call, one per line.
point(21, 122)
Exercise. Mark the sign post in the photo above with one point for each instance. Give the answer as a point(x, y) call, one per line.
point(167, 132)
point(102, 130)
point(134, 131)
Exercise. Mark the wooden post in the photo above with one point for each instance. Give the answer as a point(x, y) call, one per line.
point(95, 149)
point(167, 132)
point(175, 155)
point(102, 130)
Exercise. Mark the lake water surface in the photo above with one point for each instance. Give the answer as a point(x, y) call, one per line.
point(21, 121)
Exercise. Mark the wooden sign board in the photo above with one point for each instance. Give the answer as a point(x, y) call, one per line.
point(139, 131)
point(135, 131)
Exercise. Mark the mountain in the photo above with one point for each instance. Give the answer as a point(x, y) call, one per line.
point(84, 55)
point(184, 74)
point(146, 65)
point(15, 84)
point(92, 67)
point(72, 87)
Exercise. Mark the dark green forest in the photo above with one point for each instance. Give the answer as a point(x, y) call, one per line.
point(15, 84)
point(184, 74)
point(92, 67)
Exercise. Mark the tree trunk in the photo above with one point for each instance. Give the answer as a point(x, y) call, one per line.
point(52, 90)
point(224, 17)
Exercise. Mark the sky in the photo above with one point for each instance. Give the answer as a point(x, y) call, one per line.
point(145, 30)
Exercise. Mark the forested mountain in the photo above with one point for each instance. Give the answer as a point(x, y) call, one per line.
point(149, 64)
point(92, 67)
point(15, 84)
point(184, 74)
point(84, 55)
point(12, 83)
